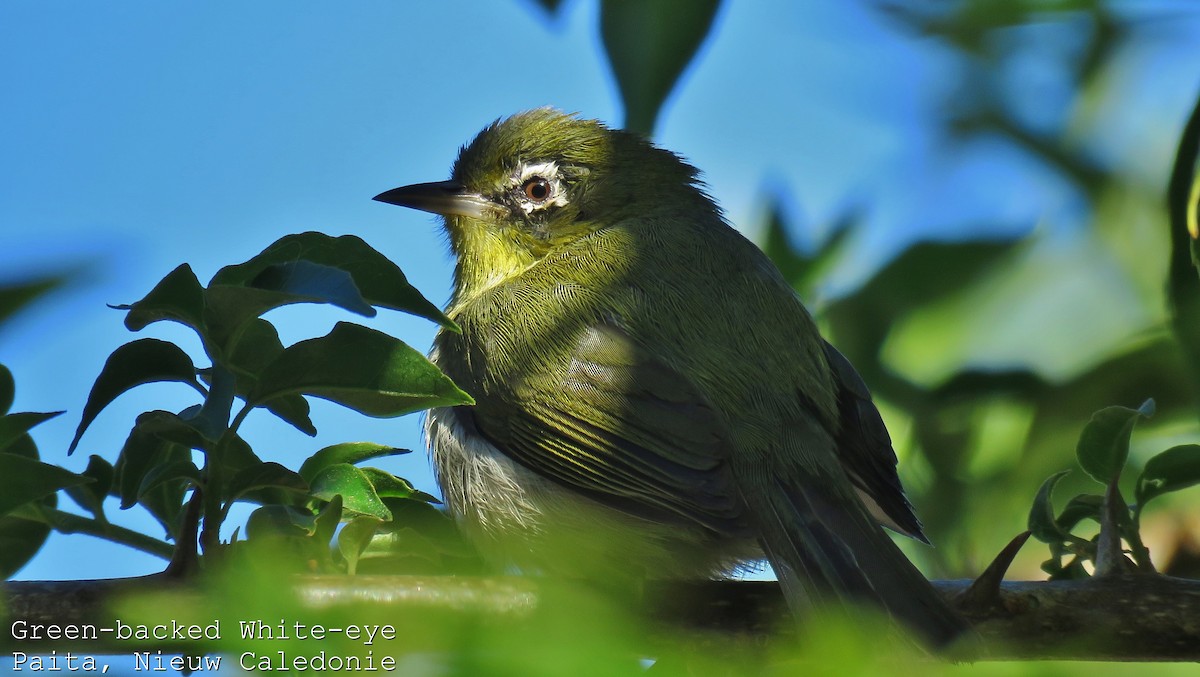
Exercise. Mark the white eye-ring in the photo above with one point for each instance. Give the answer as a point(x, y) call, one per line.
point(539, 187)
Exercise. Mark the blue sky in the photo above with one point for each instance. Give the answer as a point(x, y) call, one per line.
point(141, 135)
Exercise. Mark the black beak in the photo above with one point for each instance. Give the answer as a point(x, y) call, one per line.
point(440, 197)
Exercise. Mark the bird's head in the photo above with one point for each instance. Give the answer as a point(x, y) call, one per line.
point(532, 183)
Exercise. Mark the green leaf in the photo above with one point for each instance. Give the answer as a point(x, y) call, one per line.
point(379, 281)
point(13, 426)
point(649, 43)
point(1104, 443)
point(1083, 506)
point(265, 476)
point(20, 540)
point(355, 537)
point(327, 521)
point(176, 473)
point(360, 368)
point(280, 520)
point(23, 480)
point(140, 455)
point(1174, 469)
point(1042, 523)
point(355, 488)
point(175, 428)
point(388, 485)
point(133, 364)
point(8, 389)
point(177, 297)
point(346, 452)
point(91, 496)
point(314, 283)
point(257, 347)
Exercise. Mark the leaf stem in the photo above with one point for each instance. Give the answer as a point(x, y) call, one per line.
point(70, 523)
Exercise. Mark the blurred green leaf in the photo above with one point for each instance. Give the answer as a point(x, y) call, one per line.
point(1042, 524)
point(133, 364)
point(346, 452)
point(550, 6)
point(355, 488)
point(23, 480)
point(1183, 286)
point(8, 389)
point(177, 297)
point(362, 369)
point(649, 43)
point(90, 496)
point(257, 347)
point(14, 426)
point(14, 296)
point(1104, 443)
point(1174, 469)
point(379, 281)
point(804, 270)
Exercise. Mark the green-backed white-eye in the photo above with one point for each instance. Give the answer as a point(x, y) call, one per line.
point(652, 399)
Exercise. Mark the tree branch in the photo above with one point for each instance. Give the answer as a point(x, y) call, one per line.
point(1115, 618)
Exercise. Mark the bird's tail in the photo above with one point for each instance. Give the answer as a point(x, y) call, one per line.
point(827, 552)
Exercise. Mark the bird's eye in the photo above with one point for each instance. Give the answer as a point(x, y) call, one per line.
point(537, 189)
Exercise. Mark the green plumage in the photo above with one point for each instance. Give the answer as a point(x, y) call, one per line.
point(651, 395)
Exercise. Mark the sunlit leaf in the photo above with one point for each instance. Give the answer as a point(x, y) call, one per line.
point(346, 452)
point(1174, 469)
point(649, 43)
point(388, 485)
point(362, 369)
point(1104, 443)
point(355, 488)
point(23, 480)
point(133, 364)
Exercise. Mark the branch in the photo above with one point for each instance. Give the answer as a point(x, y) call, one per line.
point(1116, 618)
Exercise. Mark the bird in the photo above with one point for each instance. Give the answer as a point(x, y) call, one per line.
point(652, 398)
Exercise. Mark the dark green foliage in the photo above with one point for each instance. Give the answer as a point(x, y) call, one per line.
point(1102, 453)
point(354, 366)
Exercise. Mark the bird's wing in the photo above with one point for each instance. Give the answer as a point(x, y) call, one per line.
point(638, 435)
point(865, 449)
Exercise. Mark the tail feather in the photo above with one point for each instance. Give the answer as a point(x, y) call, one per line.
point(827, 552)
